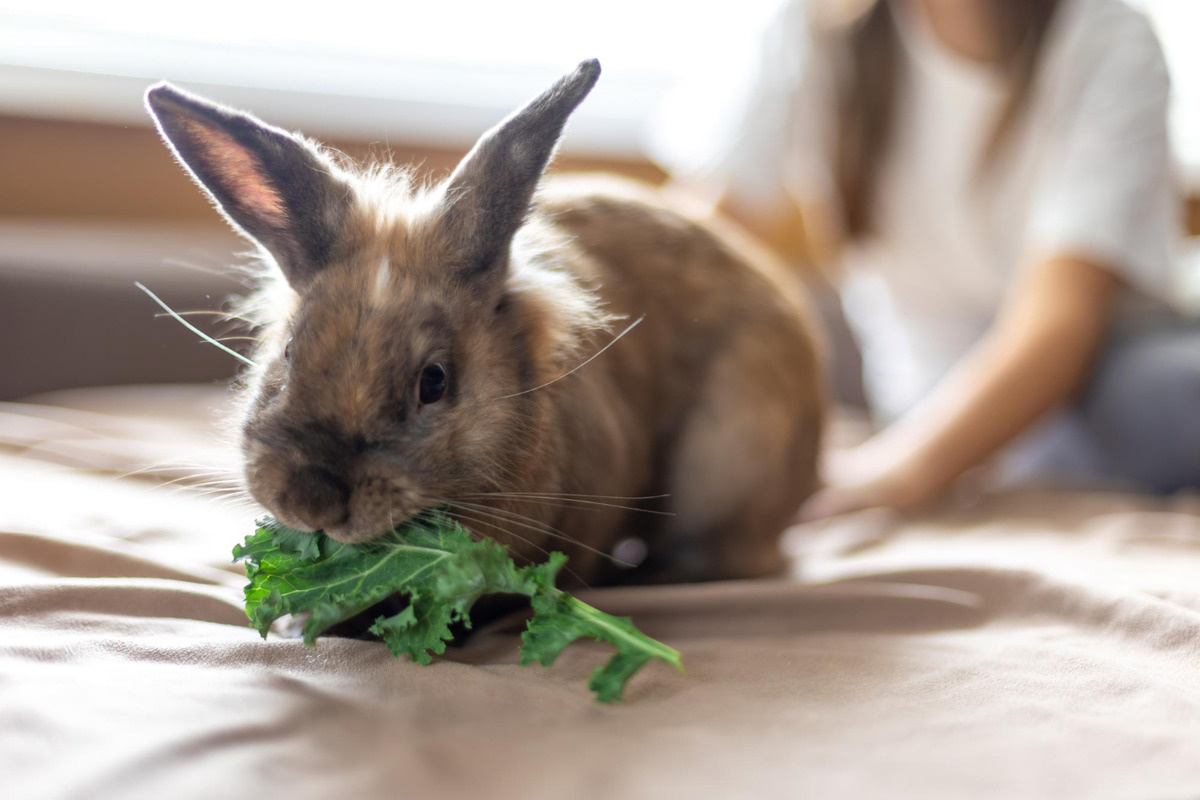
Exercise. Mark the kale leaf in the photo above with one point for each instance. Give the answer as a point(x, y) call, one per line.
point(442, 571)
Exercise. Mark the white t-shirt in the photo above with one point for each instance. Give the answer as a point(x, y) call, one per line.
point(1087, 172)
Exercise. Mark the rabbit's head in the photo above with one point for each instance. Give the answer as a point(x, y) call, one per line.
point(396, 377)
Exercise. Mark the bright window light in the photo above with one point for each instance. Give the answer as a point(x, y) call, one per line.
point(426, 72)
point(443, 70)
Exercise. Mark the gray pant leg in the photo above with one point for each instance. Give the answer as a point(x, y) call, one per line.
point(1142, 407)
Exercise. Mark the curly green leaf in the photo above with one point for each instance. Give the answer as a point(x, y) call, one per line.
point(442, 571)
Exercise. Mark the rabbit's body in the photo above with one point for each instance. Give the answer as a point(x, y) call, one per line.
point(428, 352)
point(712, 400)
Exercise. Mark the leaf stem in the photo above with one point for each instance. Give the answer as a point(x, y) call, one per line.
point(635, 638)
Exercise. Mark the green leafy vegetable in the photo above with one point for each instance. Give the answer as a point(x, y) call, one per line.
point(442, 571)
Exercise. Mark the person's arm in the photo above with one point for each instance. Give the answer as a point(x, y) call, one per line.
point(1103, 216)
point(1034, 357)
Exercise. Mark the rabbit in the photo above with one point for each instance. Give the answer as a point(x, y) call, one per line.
point(458, 344)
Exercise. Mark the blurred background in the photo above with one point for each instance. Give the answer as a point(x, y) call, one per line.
point(91, 201)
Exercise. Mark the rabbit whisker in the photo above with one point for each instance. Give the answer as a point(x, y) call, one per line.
point(586, 496)
point(468, 515)
point(192, 327)
point(564, 502)
point(580, 366)
point(523, 521)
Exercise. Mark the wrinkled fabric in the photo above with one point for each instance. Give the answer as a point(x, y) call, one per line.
point(1033, 645)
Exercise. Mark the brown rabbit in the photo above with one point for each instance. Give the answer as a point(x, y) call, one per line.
point(415, 356)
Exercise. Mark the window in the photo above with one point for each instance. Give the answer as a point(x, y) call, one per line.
point(429, 72)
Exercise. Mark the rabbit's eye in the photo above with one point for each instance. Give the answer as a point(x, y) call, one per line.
point(433, 384)
point(287, 350)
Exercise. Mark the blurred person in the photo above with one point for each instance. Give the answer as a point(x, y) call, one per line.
point(989, 183)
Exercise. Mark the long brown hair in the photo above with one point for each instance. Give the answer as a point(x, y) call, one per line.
point(869, 71)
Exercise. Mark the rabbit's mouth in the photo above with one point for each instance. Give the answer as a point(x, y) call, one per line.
point(375, 507)
point(358, 534)
point(355, 531)
point(351, 511)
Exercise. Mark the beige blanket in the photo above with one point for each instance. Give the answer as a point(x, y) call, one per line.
point(1033, 646)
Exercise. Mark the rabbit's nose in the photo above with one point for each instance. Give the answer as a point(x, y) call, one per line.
point(317, 497)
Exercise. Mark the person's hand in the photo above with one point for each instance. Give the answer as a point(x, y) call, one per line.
point(870, 476)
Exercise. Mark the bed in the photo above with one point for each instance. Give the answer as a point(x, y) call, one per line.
point(1032, 644)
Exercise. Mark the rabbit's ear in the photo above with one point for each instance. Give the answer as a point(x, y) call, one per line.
point(270, 184)
point(489, 193)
